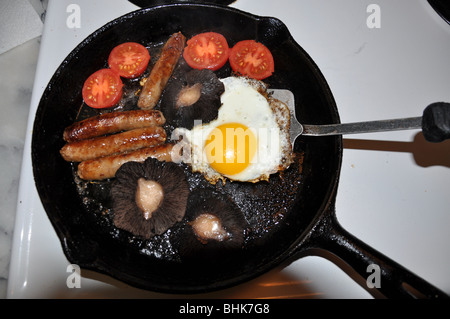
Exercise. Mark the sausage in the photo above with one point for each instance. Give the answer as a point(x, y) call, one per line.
point(113, 144)
point(112, 123)
point(106, 167)
point(161, 72)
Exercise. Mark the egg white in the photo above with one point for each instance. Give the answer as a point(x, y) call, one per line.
point(268, 119)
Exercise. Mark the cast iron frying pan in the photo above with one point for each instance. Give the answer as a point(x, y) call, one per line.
point(291, 216)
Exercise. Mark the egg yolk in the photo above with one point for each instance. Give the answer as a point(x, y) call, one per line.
point(230, 148)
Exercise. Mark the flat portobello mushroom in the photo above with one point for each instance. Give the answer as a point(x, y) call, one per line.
point(214, 227)
point(192, 96)
point(149, 198)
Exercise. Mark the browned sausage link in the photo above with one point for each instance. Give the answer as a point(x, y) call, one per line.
point(161, 72)
point(113, 144)
point(112, 123)
point(106, 167)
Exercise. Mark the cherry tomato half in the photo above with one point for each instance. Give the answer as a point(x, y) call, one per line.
point(252, 59)
point(102, 89)
point(129, 59)
point(207, 50)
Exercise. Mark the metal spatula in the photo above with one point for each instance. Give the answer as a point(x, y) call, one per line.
point(435, 122)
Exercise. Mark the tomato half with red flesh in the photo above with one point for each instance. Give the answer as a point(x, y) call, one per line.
point(102, 89)
point(129, 59)
point(252, 59)
point(207, 50)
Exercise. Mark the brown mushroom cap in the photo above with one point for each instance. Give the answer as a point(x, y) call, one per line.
point(128, 211)
point(197, 242)
point(195, 95)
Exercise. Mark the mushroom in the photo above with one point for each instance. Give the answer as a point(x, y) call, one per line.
point(214, 227)
point(149, 197)
point(193, 96)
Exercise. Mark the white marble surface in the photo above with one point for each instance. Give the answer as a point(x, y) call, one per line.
point(18, 67)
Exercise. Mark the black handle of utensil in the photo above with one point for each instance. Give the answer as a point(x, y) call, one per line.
point(436, 122)
point(395, 281)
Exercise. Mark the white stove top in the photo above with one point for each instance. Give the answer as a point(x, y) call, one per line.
point(394, 187)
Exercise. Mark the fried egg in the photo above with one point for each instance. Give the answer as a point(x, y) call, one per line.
point(247, 142)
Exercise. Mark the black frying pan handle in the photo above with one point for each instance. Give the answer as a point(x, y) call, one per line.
point(394, 280)
point(148, 3)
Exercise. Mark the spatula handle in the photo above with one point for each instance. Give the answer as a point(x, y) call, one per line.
point(436, 122)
